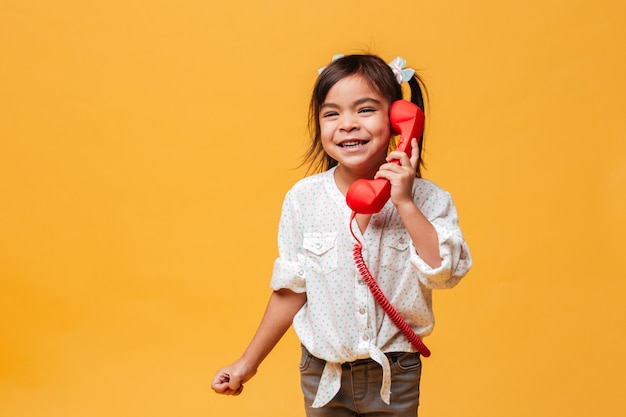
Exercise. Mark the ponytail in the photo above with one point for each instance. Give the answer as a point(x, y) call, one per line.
point(416, 85)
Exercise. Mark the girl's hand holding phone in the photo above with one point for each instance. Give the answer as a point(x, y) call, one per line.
point(401, 176)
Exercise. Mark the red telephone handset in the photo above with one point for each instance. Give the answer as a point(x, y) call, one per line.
point(369, 196)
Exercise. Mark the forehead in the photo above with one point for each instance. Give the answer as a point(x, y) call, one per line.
point(353, 88)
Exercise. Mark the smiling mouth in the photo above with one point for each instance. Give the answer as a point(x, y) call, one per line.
point(353, 144)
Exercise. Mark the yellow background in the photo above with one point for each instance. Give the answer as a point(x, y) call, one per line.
point(146, 146)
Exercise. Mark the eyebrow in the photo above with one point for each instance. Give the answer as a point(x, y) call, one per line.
point(356, 103)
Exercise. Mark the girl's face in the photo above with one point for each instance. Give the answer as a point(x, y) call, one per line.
point(354, 127)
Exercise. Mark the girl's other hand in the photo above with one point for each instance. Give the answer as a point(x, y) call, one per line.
point(230, 379)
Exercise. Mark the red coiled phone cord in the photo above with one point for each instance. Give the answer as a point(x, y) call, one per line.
point(380, 297)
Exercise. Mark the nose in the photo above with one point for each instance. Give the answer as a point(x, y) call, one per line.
point(348, 122)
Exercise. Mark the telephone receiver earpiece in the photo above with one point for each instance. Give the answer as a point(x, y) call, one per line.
point(369, 196)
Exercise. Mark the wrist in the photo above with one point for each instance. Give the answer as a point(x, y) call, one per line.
point(405, 205)
point(250, 360)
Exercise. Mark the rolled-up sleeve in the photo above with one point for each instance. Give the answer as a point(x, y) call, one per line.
point(289, 271)
point(456, 260)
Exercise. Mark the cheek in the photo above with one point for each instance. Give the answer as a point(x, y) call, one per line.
point(326, 138)
point(326, 132)
point(382, 128)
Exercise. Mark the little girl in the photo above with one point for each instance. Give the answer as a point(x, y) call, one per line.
point(355, 361)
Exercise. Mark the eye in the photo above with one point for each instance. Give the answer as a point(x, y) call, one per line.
point(329, 114)
point(367, 110)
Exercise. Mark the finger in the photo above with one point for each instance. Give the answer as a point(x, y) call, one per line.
point(415, 152)
point(223, 383)
point(398, 156)
point(220, 380)
point(220, 387)
point(227, 389)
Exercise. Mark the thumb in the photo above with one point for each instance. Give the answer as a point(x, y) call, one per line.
point(234, 382)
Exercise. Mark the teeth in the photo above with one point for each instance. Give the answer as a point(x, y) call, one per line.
point(351, 144)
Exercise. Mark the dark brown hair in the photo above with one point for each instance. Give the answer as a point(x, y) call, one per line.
point(378, 74)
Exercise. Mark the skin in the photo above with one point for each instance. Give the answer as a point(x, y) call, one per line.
point(355, 131)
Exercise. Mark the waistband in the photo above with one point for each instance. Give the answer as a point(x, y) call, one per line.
point(392, 356)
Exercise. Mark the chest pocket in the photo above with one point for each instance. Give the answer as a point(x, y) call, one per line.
point(321, 251)
point(396, 251)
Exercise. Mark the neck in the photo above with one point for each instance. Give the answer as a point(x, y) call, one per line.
point(345, 177)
